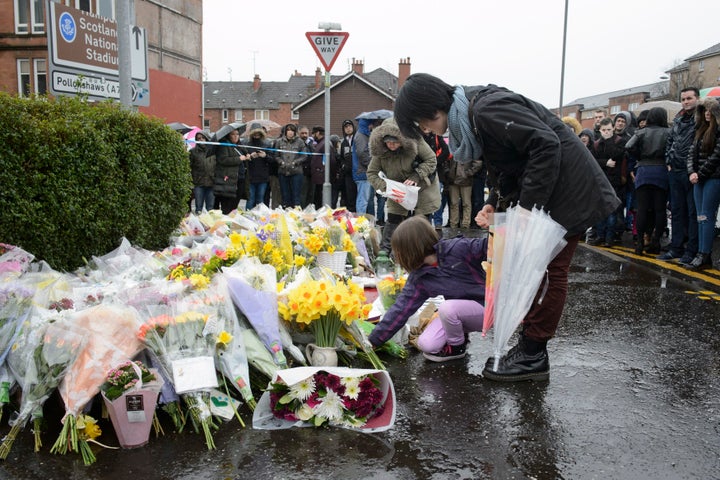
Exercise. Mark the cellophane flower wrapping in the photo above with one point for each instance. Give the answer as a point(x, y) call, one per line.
point(14, 261)
point(39, 360)
point(177, 336)
point(253, 289)
point(361, 399)
point(109, 331)
point(230, 354)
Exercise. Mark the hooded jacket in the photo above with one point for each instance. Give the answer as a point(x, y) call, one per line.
point(401, 165)
point(629, 129)
point(705, 164)
point(291, 160)
point(531, 155)
point(258, 169)
point(459, 274)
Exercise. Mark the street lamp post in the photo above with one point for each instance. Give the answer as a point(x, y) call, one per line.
point(327, 187)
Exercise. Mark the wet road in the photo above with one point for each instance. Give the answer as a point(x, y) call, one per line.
point(633, 394)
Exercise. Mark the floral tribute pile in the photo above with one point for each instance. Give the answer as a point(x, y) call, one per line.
point(219, 312)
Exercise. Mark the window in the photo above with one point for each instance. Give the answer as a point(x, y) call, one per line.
point(633, 106)
point(701, 66)
point(40, 71)
point(294, 115)
point(102, 8)
point(29, 16)
point(262, 114)
point(23, 69)
point(238, 115)
point(615, 109)
point(587, 114)
point(224, 115)
point(206, 124)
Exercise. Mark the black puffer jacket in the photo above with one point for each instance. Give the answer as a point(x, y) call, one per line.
point(202, 166)
point(228, 169)
point(531, 153)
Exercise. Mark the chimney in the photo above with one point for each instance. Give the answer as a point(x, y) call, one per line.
point(256, 82)
point(403, 71)
point(318, 78)
point(357, 66)
point(297, 74)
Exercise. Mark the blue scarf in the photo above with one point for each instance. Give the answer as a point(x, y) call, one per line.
point(464, 145)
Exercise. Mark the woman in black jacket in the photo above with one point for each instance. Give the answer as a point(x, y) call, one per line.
point(229, 168)
point(651, 178)
point(704, 173)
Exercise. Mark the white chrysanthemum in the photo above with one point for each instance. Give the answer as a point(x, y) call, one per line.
point(305, 412)
point(303, 389)
point(330, 407)
point(350, 381)
point(352, 391)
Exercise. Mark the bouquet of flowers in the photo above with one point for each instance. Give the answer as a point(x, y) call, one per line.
point(323, 306)
point(253, 289)
point(388, 289)
point(15, 307)
point(344, 397)
point(124, 378)
point(39, 360)
point(109, 330)
point(185, 352)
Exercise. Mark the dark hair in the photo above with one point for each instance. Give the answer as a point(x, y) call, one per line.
point(642, 116)
point(412, 241)
point(317, 129)
point(705, 131)
point(420, 98)
point(657, 116)
point(690, 89)
point(607, 121)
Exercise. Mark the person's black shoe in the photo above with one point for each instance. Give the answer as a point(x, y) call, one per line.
point(517, 366)
point(447, 353)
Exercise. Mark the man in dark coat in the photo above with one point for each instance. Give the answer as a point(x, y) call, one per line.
point(684, 227)
point(533, 160)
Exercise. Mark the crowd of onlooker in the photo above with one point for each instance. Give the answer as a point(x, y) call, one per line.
point(289, 171)
point(661, 169)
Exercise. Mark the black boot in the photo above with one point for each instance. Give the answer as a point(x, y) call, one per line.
point(702, 261)
point(528, 360)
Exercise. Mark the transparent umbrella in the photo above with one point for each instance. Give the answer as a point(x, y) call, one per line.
point(532, 240)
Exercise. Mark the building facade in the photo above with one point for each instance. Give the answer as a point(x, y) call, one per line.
point(301, 100)
point(174, 63)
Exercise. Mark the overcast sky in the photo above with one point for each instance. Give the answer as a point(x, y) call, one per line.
point(611, 44)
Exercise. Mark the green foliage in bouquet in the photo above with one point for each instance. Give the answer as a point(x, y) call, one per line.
point(79, 176)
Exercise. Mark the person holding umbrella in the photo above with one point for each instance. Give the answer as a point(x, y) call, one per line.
point(532, 160)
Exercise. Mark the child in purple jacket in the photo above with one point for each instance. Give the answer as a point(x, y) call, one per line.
point(451, 268)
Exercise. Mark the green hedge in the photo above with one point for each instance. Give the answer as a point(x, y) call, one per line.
point(77, 177)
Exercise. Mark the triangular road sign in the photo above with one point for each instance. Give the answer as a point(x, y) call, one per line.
point(327, 45)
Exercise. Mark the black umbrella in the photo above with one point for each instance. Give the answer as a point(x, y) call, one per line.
point(225, 129)
point(180, 127)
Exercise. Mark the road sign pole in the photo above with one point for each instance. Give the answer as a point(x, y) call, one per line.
point(327, 187)
point(124, 61)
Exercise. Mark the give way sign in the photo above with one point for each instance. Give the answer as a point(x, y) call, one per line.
point(327, 45)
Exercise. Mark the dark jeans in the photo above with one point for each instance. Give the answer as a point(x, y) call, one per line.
point(291, 187)
point(438, 215)
point(350, 193)
point(684, 217)
point(256, 194)
point(542, 320)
